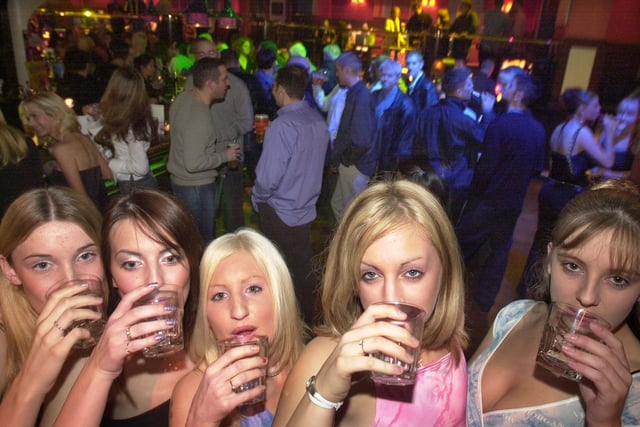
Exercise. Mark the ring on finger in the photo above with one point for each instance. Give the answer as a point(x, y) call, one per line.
point(127, 332)
point(361, 344)
point(126, 347)
point(233, 389)
point(58, 327)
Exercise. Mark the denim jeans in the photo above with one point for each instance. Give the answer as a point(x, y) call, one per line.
point(201, 201)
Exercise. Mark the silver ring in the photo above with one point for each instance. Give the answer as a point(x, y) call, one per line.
point(58, 327)
point(127, 332)
point(361, 344)
point(233, 389)
point(126, 347)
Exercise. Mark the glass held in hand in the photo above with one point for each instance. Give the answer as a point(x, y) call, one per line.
point(94, 286)
point(260, 341)
point(564, 319)
point(414, 323)
point(170, 340)
point(234, 164)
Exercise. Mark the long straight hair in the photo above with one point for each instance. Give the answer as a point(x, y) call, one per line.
point(125, 107)
point(25, 214)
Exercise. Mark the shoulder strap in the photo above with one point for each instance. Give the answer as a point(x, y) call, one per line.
point(573, 144)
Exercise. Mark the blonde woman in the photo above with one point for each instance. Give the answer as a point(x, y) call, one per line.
point(394, 243)
point(78, 162)
point(246, 290)
point(20, 164)
point(626, 138)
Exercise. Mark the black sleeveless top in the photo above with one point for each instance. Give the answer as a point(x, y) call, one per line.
point(92, 182)
point(154, 417)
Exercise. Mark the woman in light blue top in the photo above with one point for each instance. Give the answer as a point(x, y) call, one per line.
point(593, 262)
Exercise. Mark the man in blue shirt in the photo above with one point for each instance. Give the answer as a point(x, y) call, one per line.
point(289, 178)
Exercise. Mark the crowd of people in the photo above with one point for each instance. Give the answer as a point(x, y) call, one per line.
point(426, 182)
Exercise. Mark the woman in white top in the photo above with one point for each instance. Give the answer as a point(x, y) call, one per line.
point(129, 128)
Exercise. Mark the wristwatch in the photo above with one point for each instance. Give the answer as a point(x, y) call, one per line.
point(317, 399)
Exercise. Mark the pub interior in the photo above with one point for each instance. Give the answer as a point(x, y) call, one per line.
point(561, 44)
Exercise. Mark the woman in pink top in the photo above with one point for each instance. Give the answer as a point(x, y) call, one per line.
point(394, 243)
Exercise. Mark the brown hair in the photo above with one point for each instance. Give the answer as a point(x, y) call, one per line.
point(611, 206)
point(29, 211)
point(163, 218)
point(125, 106)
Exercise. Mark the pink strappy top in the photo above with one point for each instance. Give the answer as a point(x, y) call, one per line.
point(438, 397)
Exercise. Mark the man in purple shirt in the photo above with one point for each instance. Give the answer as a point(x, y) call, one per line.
point(289, 177)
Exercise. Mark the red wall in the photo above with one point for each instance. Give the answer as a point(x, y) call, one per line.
point(624, 22)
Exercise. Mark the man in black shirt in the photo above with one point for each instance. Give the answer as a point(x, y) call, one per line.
point(418, 22)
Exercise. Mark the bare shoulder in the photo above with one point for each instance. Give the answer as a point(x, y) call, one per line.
point(183, 393)
point(308, 364)
point(58, 394)
point(186, 387)
point(314, 355)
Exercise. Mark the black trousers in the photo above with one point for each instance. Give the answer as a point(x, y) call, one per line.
point(231, 200)
point(295, 245)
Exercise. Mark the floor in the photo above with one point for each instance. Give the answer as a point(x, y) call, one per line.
point(525, 228)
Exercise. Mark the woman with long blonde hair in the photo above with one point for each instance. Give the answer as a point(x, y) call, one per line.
point(246, 292)
point(394, 243)
point(77, 161)
point(20, 164)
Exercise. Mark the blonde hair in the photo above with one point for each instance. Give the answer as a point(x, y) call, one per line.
point(379, 210)
point(53, 106)
point(286, 346)
point(13, 147)
point(634, 143)
point(29, 211)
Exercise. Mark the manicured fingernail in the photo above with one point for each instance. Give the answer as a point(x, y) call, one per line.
point(571, 337)
point(172, 321)
point(159, 336)
point(170, 307)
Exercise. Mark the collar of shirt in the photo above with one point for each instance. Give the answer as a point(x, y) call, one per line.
point(415, 81)
point(296, 105)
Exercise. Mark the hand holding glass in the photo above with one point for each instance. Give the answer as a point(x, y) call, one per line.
point(169, 340)
point(414, 323)
point(260, 341)
point(564, 319)
point(93, 288)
